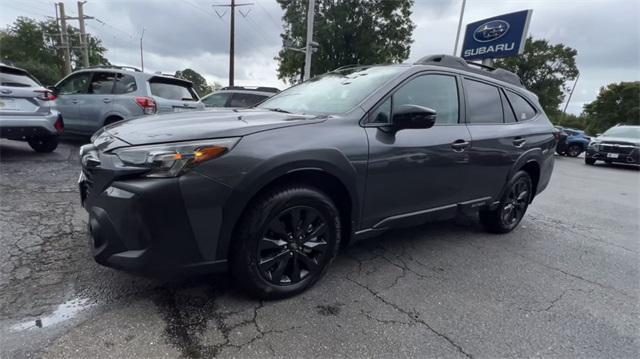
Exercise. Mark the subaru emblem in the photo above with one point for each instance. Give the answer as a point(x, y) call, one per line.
point(491, 30)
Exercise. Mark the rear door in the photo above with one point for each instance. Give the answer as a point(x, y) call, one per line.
point(498, 138)
point(69, 91)
point(173, 95)
point(96, 103)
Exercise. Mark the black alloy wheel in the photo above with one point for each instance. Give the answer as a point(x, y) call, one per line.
point(516, 202)
point(293, 246)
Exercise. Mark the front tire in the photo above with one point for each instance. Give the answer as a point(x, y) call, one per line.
point(44, 144)
point(512, 207)
point(589, 161)
point(285, 242)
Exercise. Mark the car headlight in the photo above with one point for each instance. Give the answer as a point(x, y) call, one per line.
point(173, 159)
point(594, 144)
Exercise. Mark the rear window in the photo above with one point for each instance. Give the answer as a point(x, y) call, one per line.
point(172, 90)
point(523, 109)
point(124, 84)
point(16, 78)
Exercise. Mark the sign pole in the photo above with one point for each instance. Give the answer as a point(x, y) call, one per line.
point(455, 47)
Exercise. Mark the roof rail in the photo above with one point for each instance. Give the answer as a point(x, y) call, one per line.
point(252, 88)
point(460, 63)
point(114, 67)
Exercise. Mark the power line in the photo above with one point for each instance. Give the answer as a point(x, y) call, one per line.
point(273, 21)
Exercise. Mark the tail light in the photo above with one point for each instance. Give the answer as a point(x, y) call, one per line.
point(147, 103)
point(46, 95)
point(59, 125)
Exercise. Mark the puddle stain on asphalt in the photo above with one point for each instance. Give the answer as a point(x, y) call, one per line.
point(65, 311)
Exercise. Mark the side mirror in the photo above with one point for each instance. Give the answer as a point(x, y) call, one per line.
point(53, 89)
point(413, 116)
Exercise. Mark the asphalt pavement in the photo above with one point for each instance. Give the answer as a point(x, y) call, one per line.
point(565, 284)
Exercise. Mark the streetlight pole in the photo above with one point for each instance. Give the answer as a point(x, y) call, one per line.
point(141, 54)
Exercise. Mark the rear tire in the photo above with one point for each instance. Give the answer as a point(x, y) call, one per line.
point(512, 207)
point(285, 241)
point(589, 161)
point(574, 150)
point(44, 144)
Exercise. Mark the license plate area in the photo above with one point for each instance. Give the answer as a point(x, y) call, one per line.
point(612, 155)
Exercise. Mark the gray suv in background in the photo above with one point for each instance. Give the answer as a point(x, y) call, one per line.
point(26, 110)
point(238, 96)
point(93, 97)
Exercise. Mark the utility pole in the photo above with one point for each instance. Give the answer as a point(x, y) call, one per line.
point(309, 46)
point(232, 7)
point(64, 39)
point(455, 47)
point(83, 35)
point(141, 55)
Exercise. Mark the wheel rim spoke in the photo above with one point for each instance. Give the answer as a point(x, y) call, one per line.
point(268, 243)
point(276, 275)
point(319, 230)
point(314, 245)
point(270, 262)
point(311, 264)
point(295, 268)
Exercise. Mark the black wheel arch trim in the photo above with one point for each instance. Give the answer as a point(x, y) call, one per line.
point(534, 155)
point(328, 161)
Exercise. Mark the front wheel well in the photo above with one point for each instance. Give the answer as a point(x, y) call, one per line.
point(325, 182)
point(533, 170)
point(111, 119)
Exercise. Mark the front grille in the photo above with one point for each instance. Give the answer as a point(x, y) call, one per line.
point(620, 148)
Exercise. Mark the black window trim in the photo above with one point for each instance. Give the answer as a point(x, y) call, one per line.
point(506, 102)
point(367, 122)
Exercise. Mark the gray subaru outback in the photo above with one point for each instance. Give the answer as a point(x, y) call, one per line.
point(97, 96)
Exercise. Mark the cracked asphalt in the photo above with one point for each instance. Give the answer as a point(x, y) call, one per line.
point(565, 284)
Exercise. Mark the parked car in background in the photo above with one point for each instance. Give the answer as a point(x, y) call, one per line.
point(341, 157)
point(618, 144)
point(574, 143)
point(26, 110)
point(561, 139)
point(238, 96)
point(93, 97)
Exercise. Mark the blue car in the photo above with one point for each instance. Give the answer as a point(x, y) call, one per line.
point(574, 144)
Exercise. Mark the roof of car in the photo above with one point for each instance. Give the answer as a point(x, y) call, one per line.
point(252, 92)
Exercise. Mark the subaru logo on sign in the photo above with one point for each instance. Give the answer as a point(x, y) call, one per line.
point(491, 30)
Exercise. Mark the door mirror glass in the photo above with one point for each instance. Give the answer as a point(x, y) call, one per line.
point(413, 116)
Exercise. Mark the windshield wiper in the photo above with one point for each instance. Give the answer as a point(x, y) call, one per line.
point(277, 110)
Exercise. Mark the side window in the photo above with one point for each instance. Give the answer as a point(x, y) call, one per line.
point(509, 117)
point(124, 84)
point(244, 100)
point(483, 103)
point(523, 109)
point(216, 100)
point(75, 84)
point(101, 83)
point(382, 114)
point(438, 92)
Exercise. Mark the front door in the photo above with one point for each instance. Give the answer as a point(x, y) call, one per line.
point(69, 92)
point(417, 171)
point(96, 103)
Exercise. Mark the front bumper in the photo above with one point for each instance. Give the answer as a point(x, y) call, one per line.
point(631, 157)
point(153, 225)
point(23, 128)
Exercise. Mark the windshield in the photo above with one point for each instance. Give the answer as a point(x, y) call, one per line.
point(335, 92)
point(630, 132)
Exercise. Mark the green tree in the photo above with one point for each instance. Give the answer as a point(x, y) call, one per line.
point(32, 45)
point(544, 69)
point(199, 82)
point(348, 31)
point(616, 103)
point(569, 120)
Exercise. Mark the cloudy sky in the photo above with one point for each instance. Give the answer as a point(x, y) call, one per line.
point(189, 33)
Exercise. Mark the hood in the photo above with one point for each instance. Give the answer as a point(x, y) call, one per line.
point(612, 139)
point(195, 125)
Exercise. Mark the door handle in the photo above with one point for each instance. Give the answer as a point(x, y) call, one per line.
point(106, 100)
point(460, 145)
point(519, 142)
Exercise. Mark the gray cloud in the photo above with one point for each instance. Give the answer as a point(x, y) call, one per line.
point(188, 33)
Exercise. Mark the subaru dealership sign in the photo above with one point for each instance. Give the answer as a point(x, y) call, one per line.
point(499, 36)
